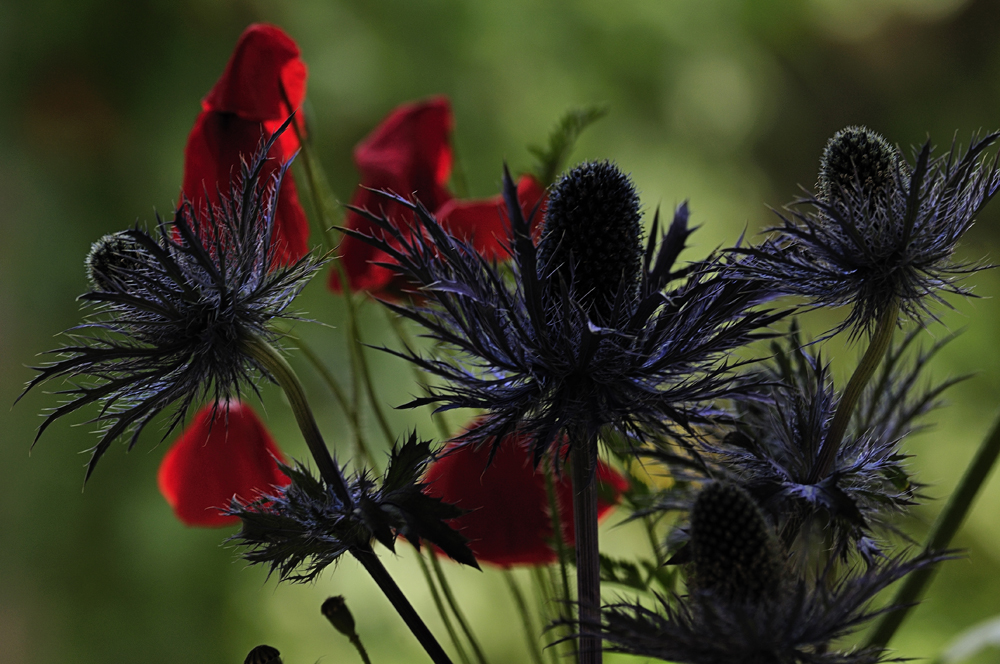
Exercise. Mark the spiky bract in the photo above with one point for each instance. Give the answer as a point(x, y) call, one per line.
point(172, 308)
point(301, 529)
point(878, 232)
point(527, 351)
point(770, 445)
point(796, 626)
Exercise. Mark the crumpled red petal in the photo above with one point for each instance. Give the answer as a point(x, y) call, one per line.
point(245, 105)
point(264, 61)
point(407, 154)
point(485, 222)
point(508, 522)
point(225, 452)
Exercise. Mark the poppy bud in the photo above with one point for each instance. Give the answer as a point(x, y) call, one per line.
point(593, 234)
point(263, 654)
point(335, 610)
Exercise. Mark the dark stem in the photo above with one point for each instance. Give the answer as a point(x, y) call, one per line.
point(388, 586)
point(877, 348)
point(274, 364)
point(588, 561)
point(944, 529)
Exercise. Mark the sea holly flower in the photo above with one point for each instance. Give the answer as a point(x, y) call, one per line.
point(176, 311)
point(530, 353)
point(508, 520)
point(409, 154)
point(225, 452)
point(300, 529)
point(744, 602)
point(769, 447)
point(263, 83)
point(879, 233)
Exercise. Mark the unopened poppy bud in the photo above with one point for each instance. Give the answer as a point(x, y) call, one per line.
point(733, 550)
point(336, 611)
point(263, 654)
point(109, 257)
point(593, 234)
point(857, 160)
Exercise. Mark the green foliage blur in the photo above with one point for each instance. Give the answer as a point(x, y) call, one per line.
point(727, 103)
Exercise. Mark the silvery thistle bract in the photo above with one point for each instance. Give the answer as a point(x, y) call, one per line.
point(172, 310)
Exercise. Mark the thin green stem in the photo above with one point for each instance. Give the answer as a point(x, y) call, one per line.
point(880, 342)
point(418, 375)
point(530, 637)
point(356, 642)
point(360, 444)
point(275, 365)
point(363, 371)
point(544, 592)
point(456, 609)
point(564, 603)
point(945, 526)
point(445, 618)
point(317, 192)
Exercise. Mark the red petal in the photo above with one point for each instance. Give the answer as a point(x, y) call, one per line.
point(408, 154)
point(225, 452)
point(212, 157)
point(264, 61)
point(509, 522)
point(485, 221)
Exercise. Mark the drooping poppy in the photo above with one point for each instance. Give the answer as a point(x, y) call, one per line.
point(263, 83)
point(509, 521)
point(225, 452)
point(409, 154)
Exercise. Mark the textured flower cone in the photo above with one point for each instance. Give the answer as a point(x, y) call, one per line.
point(409, 154)
point(263, 83)
point(508, 520)
point(733, 550)
point(857, 159)
point(226, 452)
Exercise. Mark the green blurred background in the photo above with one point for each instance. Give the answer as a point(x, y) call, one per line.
point(722, 102)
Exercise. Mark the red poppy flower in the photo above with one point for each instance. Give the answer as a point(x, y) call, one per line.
point(225, 452)
point(409, 154)
point(509, 522)
point(264, 82)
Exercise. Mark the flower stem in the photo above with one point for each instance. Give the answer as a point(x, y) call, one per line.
point(522, 607)
point(583, 459)
point(877, 348)
point(445, 618)
point(360, 444)
point(456, 609)
point(945, 526)
point(275, 365)
point(558, 542)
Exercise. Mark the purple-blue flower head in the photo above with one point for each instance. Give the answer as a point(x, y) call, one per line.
point(879, 232)
point(172, 310)
point(584, 331)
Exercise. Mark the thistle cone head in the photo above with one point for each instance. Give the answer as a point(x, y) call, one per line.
point(593, 234)
point(110, 258)
point(857, 159)
point(734, 552)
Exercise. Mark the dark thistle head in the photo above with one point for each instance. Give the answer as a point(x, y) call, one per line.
point(592, 237)
point(733, 551)
point(858, 162)
point(174, 310)
point(879, 233)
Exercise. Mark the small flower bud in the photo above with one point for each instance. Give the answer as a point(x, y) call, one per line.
point(857, 160)
point(108, 256)
point(336, 611)
point(733, 550)
point(593, 234)
point(263, 654)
